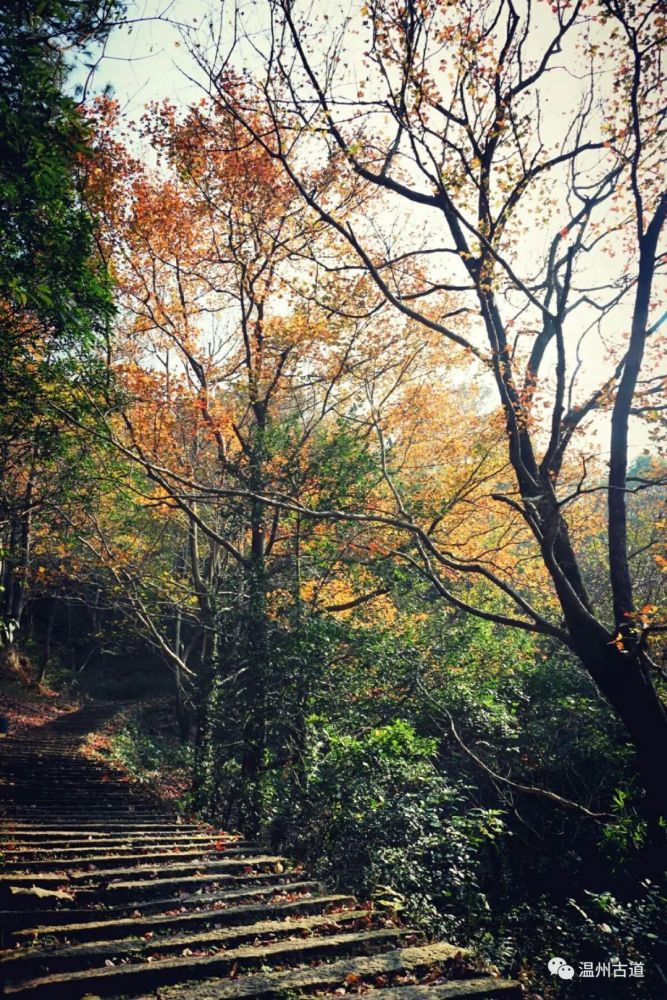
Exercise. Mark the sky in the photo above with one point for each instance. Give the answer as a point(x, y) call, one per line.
point(147, 61)
point(143, 61)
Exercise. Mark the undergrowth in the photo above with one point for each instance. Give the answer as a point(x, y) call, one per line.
point(142, 741)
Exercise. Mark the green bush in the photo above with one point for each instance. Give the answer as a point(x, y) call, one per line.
point(378, 818)
point(603, 930)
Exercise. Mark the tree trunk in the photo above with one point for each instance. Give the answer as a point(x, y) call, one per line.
point(25, 543)
point(623, 675)
point(624, 678)
point(255, 731)
point(46, 652)
point(257, 644)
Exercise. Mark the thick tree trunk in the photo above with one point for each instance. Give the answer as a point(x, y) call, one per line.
point(623, 675)
point(625, 681)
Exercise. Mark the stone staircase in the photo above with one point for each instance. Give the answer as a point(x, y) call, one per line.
point(106, 893)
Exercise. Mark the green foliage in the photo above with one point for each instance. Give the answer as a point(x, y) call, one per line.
point(596, 929)
point(146, 746)
point(54, 292)
point(378, 816)
point(142, 754)
point(627, 831)
point(361, 778)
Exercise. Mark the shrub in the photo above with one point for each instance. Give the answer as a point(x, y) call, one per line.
point(379, 819)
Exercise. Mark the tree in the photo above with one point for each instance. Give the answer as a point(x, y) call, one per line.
point(235, 384)
point(55, 301)
point(534, 232)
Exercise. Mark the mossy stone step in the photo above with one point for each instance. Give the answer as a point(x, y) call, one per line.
point(84, 827)
point(116, 861)
point(484, 988)
point(417, 960)
point(172, 866)
point(137, 891)
point(127, 978)
point(112, 845)
point(250, 888)
point(60, 958)
point(236, 911)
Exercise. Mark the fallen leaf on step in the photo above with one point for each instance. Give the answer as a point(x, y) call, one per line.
point(36, 890)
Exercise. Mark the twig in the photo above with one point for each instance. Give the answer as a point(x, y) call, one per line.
point(544, 793)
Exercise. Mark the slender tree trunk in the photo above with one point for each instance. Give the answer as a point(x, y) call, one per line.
point(255, 730)
point(25, 543)
point(194, 711)
point(619, 563)
point(46, 652)
point(9, 581)
point(257, 644)
point(303, 679)
point(180, 706)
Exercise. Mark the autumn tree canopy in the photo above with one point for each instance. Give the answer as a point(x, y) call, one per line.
point(518, 215)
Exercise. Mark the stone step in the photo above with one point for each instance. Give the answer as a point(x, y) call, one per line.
point(169, 863)
point(100, 842)
point(28, 772)
point(300, 900)
point(105, 805)
point(483, 988)
point(45, 847)
point(83, 828)
point(131, 894)
point(119, 817)
point(249, 861)
point(71, 789)
point(479, 988)
point(128, 978)
point(93, 954)
point(327, 976)
point(136, 891)
point(111, 829)
point(105, 798)
point(28, 833)
point(93, 861)
point(20, 924)
point(68, 779)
